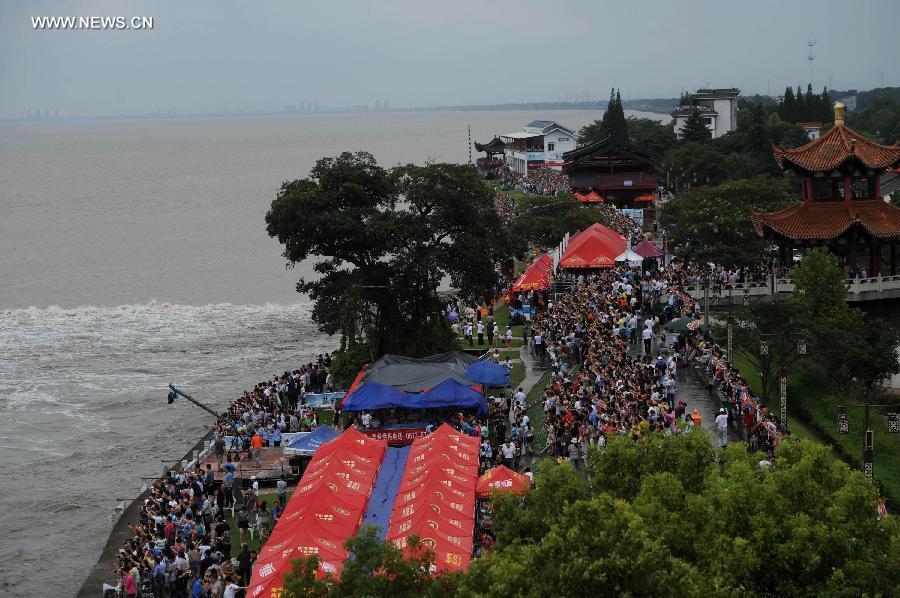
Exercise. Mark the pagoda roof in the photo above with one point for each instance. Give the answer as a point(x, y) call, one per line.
point(494, 146)
point(835, 147)
point(612, 145)
point(829, 220)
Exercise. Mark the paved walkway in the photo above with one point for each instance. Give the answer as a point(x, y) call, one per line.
point(693, 390)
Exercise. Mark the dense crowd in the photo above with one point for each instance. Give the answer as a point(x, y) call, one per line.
point(182, 543)
point(539, 181)
point(506, 207)
point(607, 327)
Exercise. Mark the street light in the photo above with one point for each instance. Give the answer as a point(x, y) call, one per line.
point(892, 425)
point(782, 367)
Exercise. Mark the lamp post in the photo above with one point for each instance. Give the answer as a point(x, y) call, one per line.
point(843, 427)
point(764, 346)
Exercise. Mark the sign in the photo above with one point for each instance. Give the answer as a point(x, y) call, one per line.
point(843, 424)
point(893, 423)
point(396, 437)
point(628, 182)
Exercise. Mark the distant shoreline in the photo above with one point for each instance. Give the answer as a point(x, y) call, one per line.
point(657, 106)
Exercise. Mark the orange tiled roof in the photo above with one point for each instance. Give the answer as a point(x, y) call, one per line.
point(833, 148)
point(828, 220)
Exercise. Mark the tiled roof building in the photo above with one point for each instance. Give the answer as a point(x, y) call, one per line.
point(841, 205)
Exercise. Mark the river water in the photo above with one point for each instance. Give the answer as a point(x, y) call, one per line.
point(134, 254)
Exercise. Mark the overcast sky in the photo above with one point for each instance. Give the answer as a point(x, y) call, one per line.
point(220, 55)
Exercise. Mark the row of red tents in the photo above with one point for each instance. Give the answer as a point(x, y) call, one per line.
point(325, 510)
point(436, 498)
point(594, 197)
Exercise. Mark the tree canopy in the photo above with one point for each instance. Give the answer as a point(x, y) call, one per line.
point(713, 223)
point(612, 124)
point(667, 515)
point(694, 130)
point(383, 241)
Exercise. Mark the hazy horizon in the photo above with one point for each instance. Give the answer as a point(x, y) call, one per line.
point(231, 56)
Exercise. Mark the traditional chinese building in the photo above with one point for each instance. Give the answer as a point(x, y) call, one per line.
point(842, 207)
point(615, 172)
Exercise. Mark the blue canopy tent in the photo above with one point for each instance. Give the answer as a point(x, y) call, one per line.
point(449, 393)
point(307, 445)
point(488, 373)
point(375, 395)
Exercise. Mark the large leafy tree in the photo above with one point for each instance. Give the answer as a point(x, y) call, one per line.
point(694, 130)
point(668, 515)
point(712, 224)
point(375, 568)
point(544, 220)
point(383, 242)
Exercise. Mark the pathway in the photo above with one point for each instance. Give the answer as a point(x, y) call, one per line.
point(384, 493)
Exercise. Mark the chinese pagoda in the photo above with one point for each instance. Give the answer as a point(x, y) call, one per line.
point(615, 172)
point(842, 208)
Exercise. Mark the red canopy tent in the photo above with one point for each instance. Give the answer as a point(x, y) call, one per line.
point(595, 247)
point(645, 197)
point(536, 277)
point(326, 508)
point(436, 498)
point(502, 479)
point(647, 249)
point(591, 197)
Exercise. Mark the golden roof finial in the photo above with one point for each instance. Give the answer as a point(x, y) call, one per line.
point(838, 114)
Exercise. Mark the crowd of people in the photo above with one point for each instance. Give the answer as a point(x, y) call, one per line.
point(182, 542)
point(608, 327)
point(506, 207)
point(538, 181)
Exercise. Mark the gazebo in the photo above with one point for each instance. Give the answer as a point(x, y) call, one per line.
point(841, 205)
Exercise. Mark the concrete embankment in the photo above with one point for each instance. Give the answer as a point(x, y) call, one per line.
point(103, 571)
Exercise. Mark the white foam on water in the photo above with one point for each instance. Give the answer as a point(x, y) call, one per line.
point(83, 391)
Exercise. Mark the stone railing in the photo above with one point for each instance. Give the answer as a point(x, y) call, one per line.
point(855, 287)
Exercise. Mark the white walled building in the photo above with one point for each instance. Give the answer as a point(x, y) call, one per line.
point(718, 111)
point(541, 143)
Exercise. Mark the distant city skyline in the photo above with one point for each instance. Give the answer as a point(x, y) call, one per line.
point(235, 56)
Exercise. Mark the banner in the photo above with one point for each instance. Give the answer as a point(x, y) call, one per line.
point(396, 437)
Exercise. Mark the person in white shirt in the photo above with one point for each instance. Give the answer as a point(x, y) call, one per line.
point(508, 450)
point(519, 397)
point(722, 428)
point(366, 419)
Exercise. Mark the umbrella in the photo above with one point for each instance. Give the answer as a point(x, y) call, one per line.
point(685, 325)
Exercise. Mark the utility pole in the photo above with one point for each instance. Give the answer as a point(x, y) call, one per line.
point(470, 144)
point(810, 57)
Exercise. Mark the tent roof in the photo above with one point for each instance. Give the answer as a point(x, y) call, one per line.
point(488, 373)
point(309, 443)
point(415, 375)
point(629, 256)
point(449, 393)
point(502, 479)
point(595, 247)
point(536, 276)
point(648, 249)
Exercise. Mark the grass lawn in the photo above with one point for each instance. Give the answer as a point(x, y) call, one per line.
point(255, 543)
point(811, 415)
point(536, 412)
point(501, 316)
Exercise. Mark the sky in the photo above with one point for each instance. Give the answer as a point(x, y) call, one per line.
point(229, 55)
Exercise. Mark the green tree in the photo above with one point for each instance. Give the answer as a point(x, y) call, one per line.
point(695, 521)
point(383, 241)
point(693, 130)
point(695, 164)
point(820, 286)
point(712, 224)
point(788, 107)
point(544, 220)
point(651, 134)
point(612, 124)
point(375, 568)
